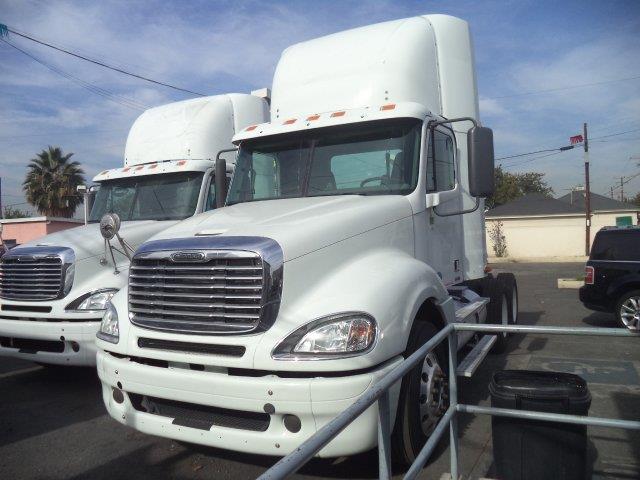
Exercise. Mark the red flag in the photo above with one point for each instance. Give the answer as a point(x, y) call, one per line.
point(576, 139)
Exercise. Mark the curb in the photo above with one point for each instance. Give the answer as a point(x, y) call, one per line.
point(570, 283)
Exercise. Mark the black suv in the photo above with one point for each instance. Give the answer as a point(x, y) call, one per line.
point(612, 275)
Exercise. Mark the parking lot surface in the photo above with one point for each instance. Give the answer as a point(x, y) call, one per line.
point(53, 424)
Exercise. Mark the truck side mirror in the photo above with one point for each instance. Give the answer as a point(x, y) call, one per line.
point(221, 182)
point(481, 161)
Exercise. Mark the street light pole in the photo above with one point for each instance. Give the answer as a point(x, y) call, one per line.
point(587, 200)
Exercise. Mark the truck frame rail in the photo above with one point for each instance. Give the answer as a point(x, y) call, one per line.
point(379, 392)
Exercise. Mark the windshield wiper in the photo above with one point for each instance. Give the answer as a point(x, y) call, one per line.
point(155, 194)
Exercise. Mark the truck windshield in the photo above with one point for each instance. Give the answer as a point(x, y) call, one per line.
point(374, 158)
point(152, 197)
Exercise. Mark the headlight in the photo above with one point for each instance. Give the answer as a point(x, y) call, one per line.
point(336, 336)
point(109, 328)
point(93, 301)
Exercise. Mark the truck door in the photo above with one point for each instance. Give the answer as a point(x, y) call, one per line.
point(444, 234)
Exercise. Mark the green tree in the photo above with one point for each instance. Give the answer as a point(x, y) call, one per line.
point(510, 186)
point(52, 181)
point(10, 212)
point(635, 200)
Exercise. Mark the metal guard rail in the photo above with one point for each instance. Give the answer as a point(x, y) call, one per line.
point(380, 392)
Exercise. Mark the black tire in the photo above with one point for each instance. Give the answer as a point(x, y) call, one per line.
point(510, 285)
point(497, 312)
point(408, 436)
point(624, 306)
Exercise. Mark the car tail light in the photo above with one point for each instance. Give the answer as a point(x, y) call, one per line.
point(589, 275)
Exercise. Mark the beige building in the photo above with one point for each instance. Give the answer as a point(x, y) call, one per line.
point(535, 226)
point(16, 231)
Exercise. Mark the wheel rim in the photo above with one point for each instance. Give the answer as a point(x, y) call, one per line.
point(630, 313)
point(504, 313)
point(514, 305)
point(432, 401)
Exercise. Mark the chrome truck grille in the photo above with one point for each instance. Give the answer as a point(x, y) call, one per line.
point(36, 273)
point(204, 285)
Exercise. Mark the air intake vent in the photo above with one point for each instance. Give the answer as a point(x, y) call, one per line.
point(202, 417)
point(203, 291)
point(35, 273)
point(190, 347)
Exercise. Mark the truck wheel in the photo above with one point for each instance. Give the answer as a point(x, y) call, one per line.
point(423, 396)
point(510, 285)
point(497, 312)
point(628, 310)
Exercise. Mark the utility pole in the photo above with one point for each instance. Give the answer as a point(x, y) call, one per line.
point(587, 199)
point(611, 192)
point(622, 189)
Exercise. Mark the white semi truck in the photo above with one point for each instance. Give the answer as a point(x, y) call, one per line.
point(353, 231)
point(53, 290)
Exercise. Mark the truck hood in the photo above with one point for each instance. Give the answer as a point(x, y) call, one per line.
point(299, 225)
point(87, 241)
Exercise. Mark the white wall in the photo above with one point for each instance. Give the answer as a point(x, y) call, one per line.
point(554, 236)
point(600, 220)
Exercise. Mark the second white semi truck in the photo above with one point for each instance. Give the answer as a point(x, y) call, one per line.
point(353, 231)
point(53, 290)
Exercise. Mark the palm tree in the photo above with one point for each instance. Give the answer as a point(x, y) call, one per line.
point(51, 183)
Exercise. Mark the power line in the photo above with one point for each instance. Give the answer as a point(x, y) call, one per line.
point(110, 67)
point(124, 101)
point(627, 180)
point(102, 57)
point(632, 139)
point(530, 153)
point(616, 134)
point(529, 160)
point(559, 89)
point(562, 149)
point(620, 122)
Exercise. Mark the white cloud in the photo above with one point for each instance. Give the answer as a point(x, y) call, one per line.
point(491, 106)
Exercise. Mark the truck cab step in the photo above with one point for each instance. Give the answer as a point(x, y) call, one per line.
point(471, 362)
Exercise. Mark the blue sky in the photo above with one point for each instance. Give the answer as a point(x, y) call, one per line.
point(218, 47)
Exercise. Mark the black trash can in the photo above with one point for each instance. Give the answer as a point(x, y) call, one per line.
point(535, 449)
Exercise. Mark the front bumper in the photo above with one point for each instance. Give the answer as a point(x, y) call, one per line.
point(58, 343)
point(314, 401)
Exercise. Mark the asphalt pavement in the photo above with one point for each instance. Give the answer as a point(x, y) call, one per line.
point(53, 424)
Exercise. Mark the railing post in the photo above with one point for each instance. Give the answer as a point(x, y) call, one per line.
point(453, 402)
point(384, 437)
